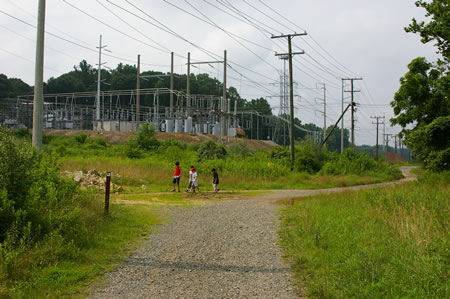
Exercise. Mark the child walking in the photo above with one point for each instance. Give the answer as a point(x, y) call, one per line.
point(176, 177)
point(215, 181)
point(195, 180)
point(190, 179)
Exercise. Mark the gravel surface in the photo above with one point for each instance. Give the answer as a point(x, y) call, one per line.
point(222, 250)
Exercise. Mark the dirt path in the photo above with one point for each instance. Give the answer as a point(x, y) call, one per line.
point(223, 249)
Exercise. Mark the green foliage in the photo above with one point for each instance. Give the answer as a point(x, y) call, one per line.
point(29, 186)
point(22, 133)
point(310, 157)
point(146, 137)
point(430, 144)
point(210, 150)
point(390, 242)
point(11, 87)
point(280, 153)
point(350, 163)
point(423, 96)
point(81, 138)
point(239, 150)
point(437, 29)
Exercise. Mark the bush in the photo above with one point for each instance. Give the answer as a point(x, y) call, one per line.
point(30, 186)
point(211, 150)
point(310, 157)
point(361, 163)
point(22, 133)
point(146, 137)
point(239, 150)
point(81, 138)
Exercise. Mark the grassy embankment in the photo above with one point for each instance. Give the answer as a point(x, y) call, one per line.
point(239, 168)
point(386, 242)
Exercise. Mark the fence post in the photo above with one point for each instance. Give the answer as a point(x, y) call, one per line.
point(107, 189)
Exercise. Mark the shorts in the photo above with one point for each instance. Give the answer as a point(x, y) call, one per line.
point(176, 180)
point(194, 184)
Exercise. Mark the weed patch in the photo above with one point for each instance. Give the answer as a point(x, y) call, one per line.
point(385, 242)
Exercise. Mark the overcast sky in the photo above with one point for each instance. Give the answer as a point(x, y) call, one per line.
point(346, 38)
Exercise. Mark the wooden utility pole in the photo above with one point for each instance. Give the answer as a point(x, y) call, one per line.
point(291, 89)
point(38, 104)
point(352, 92)
point(138, 89)
point(386, 136)
point(171, 86)
point(377, 123)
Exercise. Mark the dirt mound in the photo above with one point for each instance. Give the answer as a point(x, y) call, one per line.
point(393, 157)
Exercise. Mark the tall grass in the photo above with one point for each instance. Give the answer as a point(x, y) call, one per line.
point(238, 167)
point(390, 242)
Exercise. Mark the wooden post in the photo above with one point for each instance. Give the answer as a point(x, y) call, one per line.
point(107, 189)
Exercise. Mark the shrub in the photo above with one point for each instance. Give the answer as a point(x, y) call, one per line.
point(22, 133)
point(81, 138)
point(310, 157)
point(210, 150)
point(351, 163)
point(173, 142)
point(239, 150)
point(30, 186)
point(146, 137)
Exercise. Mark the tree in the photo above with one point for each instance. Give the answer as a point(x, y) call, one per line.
point(421, 105)
point(422, 96)
point(437, 29)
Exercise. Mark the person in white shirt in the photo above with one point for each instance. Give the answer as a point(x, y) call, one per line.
point(190, 179)
point(195, 180)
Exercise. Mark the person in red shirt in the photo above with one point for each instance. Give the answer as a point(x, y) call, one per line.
point(176, 177)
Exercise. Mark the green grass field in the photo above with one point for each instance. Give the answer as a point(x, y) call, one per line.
point(54, 268)
point(386, 242)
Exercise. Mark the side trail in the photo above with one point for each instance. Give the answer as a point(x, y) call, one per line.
point(223, 249)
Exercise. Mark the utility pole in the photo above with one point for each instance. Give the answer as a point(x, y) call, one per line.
point(38, 104)
point(395, 143)
point(188, 84)
point(224, 102)
point(377, 123)
point(324, 111)
point(99, 80)
point(342, 121)
point(171, 85)
point(291, 89)
point(384, 132)
point(387, 141)
point(352, 92)
point(138, 89)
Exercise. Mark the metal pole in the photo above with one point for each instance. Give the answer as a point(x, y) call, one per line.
point(171, 85)
point(324, 111)
point(352, 116)
point(107, 190)
point(138, 89)
point(291, 103)
point(38, 105)
point(188, 84)
point(377, 137)
point(97, 112)
point(224, 102)
point(257, 126)
point(342, 121)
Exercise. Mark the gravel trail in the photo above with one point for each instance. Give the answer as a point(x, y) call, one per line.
point(225, 249)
